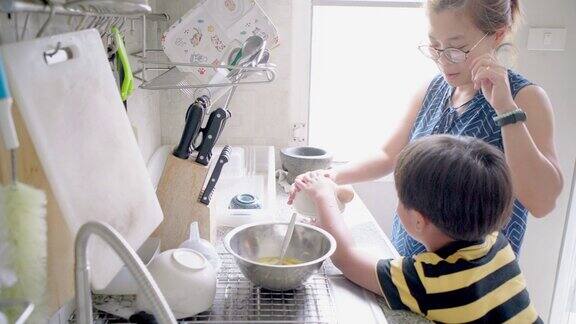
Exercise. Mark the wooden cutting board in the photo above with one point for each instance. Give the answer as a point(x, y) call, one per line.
point(76, 121)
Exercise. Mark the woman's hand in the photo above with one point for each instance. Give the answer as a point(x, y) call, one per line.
point(330, 174)
point(492, 78)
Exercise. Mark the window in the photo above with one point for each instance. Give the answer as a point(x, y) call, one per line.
point(365, 67)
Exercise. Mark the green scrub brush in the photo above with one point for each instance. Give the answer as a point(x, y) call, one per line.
point(22, 227)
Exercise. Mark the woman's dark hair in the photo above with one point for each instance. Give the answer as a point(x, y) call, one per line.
point(488, 15)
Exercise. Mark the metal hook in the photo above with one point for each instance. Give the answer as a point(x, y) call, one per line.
point(103, 21)
point(96, 22)
point(103, 28)
point(82, 20)
point(47, 22)
point(16, 31)
point(108, 30)
point(90, 23)
point(203, 91)
point(70, 20)
point(56, 50)
point(121, 27)
point(25, 25)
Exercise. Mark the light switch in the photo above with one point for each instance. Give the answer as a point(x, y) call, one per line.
point(547, 39)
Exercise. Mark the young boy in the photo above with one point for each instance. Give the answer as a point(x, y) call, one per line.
point(455, 194)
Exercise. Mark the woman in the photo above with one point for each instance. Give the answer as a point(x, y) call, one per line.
point(474, 95)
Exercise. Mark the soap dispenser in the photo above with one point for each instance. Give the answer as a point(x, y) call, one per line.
point(198, 244)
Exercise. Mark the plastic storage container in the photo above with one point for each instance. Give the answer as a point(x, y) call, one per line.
point(250, 172)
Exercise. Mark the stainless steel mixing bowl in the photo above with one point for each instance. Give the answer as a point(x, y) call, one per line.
point(250, 242)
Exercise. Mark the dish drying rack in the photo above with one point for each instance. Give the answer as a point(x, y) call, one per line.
point(176, 73)
point(154, 59)
point(161, 81)
point(239, 301)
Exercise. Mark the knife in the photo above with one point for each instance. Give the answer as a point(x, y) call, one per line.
point(211, 133)
point(206, 195)
point(194, 117)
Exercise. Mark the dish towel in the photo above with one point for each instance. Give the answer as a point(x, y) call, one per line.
point(209, 33)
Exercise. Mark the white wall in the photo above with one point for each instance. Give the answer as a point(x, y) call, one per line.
point(564, 301)
point(555, 72)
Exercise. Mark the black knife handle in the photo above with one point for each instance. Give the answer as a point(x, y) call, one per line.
point(194, 117)
point(222, 159)
point(203, 101)
point(211, 133)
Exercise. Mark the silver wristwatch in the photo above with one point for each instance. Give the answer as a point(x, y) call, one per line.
point(511, 117)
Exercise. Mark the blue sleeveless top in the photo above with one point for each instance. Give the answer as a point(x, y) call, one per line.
point(436, 117)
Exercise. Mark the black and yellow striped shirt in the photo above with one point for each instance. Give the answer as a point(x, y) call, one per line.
point(463, 282)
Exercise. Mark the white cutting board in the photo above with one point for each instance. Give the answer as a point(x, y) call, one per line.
point(75, 117)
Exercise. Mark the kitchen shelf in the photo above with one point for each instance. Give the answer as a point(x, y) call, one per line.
point(172, 77)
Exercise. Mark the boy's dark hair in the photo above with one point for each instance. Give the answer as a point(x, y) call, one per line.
point(461, 184)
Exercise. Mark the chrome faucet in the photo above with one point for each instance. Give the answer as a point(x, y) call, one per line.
point(147, 284)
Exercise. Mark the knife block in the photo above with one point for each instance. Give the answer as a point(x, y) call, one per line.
point(180, 186)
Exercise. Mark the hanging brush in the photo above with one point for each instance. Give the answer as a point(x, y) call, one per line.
point(22, 226)
point(8, 132)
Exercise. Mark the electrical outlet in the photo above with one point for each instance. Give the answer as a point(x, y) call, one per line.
point(299, 133)
point(547, 39)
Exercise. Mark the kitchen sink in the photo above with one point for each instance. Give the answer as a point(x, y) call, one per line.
point(239, 301)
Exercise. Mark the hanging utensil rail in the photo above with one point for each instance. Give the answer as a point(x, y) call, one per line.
point(17, 6)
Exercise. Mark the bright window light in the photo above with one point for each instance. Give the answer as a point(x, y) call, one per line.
point(365, 69)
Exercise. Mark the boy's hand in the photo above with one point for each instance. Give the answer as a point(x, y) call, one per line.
point(316, 185)
point(330, 174)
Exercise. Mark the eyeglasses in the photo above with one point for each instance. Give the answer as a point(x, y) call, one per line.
point(453, 55)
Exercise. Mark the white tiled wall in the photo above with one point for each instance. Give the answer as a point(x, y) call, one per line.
point(261, 114)
point(556, 73)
